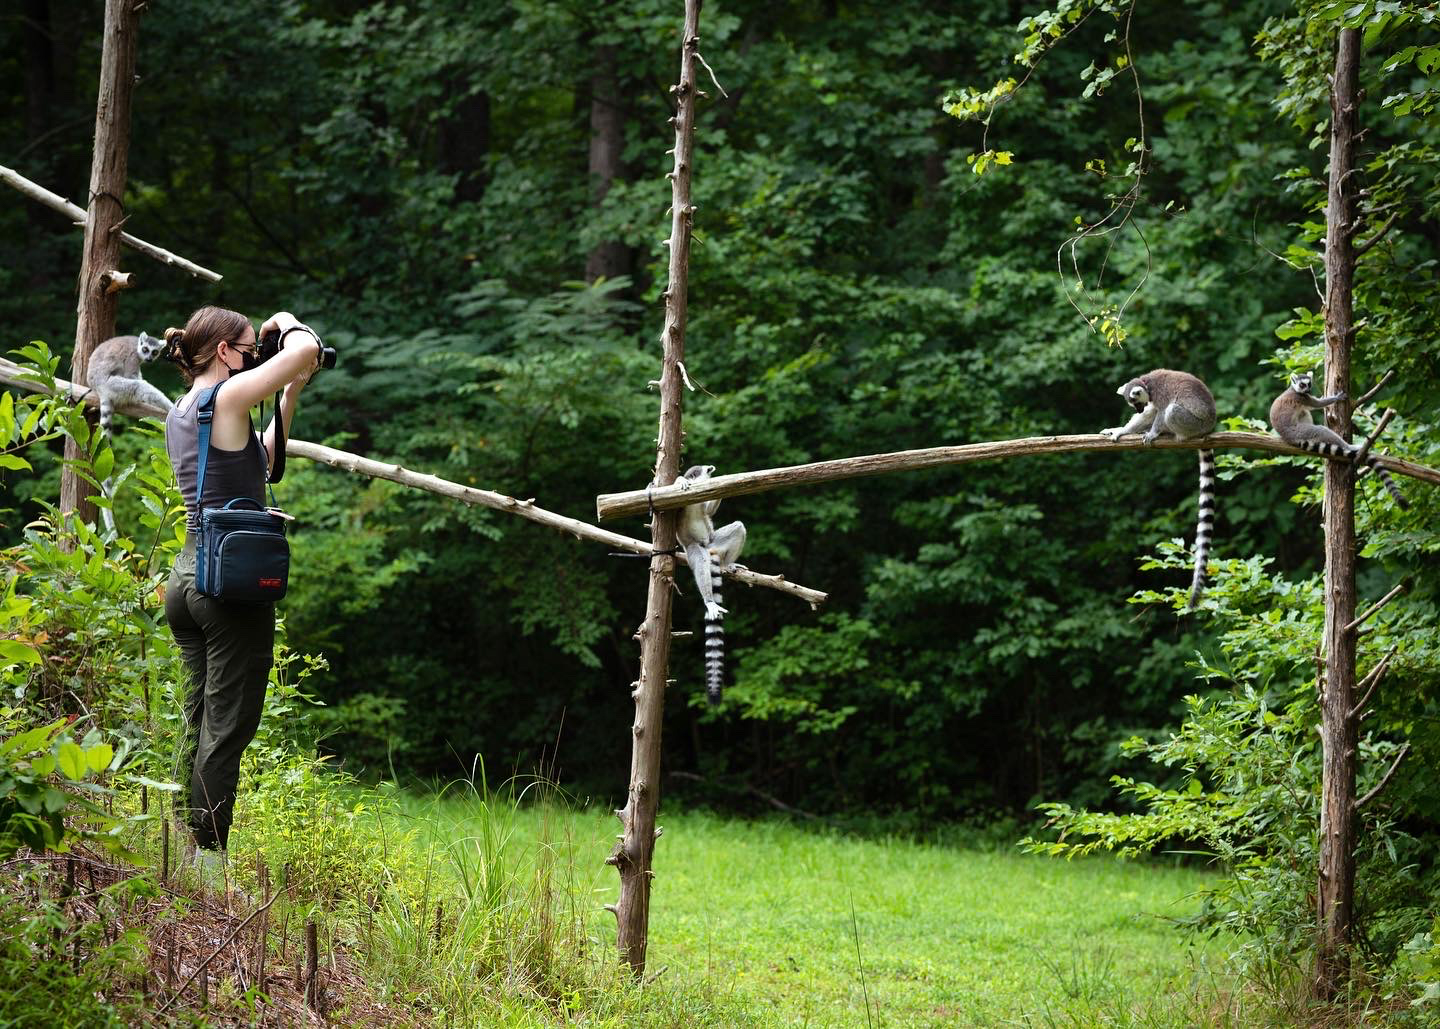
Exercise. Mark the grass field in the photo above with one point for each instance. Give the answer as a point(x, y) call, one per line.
point(766, 923)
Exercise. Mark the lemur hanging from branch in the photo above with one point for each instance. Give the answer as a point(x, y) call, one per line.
point(709, 551)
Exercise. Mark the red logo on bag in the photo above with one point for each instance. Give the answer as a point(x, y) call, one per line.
point(270, 584)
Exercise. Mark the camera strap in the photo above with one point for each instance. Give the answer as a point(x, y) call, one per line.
point(277, 460)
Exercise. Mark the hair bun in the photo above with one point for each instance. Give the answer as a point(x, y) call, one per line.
point(175, 347)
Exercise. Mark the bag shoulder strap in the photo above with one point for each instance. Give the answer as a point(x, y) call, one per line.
point(204, 414)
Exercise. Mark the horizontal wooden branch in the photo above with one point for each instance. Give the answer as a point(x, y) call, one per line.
point(525, 509)
point(12, 374)
point(613, 505)
point(76, 214)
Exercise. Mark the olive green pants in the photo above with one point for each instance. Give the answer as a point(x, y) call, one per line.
point(228, 649)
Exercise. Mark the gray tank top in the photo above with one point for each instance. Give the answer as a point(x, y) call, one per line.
point(228, 473)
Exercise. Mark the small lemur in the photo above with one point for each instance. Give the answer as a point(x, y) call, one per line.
point(709, 551)
point(1290, 417)
point(1180, 404)
point(114, 373)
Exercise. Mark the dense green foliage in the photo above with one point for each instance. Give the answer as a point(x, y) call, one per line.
point(858, 289)
point(412, 178)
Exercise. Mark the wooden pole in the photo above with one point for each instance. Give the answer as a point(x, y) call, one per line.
point(105, 212)
point(631, 502)
point(635, 850)
point(1335, 895)
point(56, 202)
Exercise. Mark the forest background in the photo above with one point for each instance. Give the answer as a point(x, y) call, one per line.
point(468, 200)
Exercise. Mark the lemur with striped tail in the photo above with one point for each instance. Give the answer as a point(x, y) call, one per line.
point(1290, 417)
point(709, 551)
point(1180, 404)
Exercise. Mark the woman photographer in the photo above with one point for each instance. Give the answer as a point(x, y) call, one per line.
point(227, 647)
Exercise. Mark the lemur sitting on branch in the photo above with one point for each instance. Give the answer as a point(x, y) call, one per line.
point(1290, 417)
point(1178, 403)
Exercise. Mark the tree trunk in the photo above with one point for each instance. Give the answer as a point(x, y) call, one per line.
point(105, 210)
point(634, 852)
point(1339, 728)
point(609, 258)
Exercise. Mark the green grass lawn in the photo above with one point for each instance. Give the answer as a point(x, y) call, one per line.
point(772, 924)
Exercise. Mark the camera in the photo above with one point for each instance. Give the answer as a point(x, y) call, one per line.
point(269, 345)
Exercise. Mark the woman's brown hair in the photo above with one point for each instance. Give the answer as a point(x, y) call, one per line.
point(193, 347)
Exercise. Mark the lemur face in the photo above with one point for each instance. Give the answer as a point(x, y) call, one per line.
point(1135, 394)
point(1301, 382)
point(148, 347)
point(699, 471)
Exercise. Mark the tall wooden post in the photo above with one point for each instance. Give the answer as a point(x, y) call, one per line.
point(105, 210)
point(636, 847)
point(1339, 726)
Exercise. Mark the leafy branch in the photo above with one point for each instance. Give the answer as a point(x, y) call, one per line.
point(1043, 32)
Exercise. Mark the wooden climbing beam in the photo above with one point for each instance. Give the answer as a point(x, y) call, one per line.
point(737, 484)
point(77, 215)
point(14, 375)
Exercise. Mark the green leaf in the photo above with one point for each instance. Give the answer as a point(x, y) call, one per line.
point(99, 757)
point(13, 652)
point(104, 463)
point(15, 464)
point(32, 739)
point(71, 760)
point(43, 765)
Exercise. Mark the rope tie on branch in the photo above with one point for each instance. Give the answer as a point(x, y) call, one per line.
point(97, 194)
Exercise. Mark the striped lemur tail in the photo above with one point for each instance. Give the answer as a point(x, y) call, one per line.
point(714, 635)
point(1344, 453)
point(1204, 526)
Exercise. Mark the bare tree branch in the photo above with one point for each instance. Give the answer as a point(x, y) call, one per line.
point(1375, 607)
point(14, 375)
point(1369, 395)
point(76, 214)
point(1359, 459)
point(612, 505)
point(1404, 750)
point(1380, 233)
point(1373, 680)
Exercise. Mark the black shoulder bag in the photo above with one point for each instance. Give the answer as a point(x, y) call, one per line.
point(242, 555)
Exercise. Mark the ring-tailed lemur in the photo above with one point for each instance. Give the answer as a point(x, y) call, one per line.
point(1290, 417)
point(114, 373)
point(709, 551)
point(1178, 403)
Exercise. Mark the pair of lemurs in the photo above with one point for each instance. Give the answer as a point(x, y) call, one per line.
point(1180, 404)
